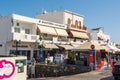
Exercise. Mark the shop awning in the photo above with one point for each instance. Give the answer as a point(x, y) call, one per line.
point(47, 30)
point(67, 47)
point(61, 32)
point(114, 48)
point(87, 46)
point(79, 34)
point(50, 46)
point(107, 49)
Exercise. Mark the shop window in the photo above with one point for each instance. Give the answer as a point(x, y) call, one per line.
point(17, 30)
point(21, 53)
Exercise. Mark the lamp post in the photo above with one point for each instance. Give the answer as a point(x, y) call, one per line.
point(40, 47)
point(16, 45)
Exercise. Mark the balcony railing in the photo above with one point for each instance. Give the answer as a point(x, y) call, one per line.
point(25, 37)
point(48, 38)
point(63, 39)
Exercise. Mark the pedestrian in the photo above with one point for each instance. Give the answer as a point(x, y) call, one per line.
point(33, 71)
point(33, 61)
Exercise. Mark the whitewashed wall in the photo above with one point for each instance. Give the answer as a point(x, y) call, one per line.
point(55, 16)
point(5, 33)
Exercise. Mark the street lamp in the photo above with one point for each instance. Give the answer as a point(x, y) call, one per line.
point(16, 45)
point(41, 48)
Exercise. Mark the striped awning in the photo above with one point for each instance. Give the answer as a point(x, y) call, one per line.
point(61, 32)
point(67, 47)
point(79, 34)
point(47, 30)
point(50, 46)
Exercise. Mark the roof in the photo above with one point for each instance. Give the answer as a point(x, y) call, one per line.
point(72, 13)
point(87, 46)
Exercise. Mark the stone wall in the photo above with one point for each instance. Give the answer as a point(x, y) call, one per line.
point(59, 70)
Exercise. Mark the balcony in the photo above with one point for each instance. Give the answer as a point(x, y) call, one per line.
point(55, 39)
point(25, 37)
point(63, 39)
point(78, 28)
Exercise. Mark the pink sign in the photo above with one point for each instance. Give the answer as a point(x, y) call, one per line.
point(7, 69)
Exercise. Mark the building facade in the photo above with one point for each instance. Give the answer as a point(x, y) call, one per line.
point(21, 35)
point(78, 33)
point(97, 34)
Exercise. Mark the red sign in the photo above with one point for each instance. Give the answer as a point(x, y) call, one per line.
point(91, 57)
point(92, 46)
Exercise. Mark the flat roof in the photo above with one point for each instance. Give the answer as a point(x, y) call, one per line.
point(72, 13)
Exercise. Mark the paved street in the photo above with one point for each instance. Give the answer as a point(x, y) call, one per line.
point(93, 75)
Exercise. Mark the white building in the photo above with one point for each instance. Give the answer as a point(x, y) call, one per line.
point(75, 26)
point(22, 35)
point(103, 39)
point(62, 16)
point(98, 35)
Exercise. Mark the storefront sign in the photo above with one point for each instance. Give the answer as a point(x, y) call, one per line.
point(58, 58)
point(50, 23)
point(20, 64)
point(7, 69)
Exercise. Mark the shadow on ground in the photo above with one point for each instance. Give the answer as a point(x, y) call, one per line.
point(108, 78)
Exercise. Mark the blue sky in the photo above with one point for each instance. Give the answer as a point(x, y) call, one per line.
point(97, 13)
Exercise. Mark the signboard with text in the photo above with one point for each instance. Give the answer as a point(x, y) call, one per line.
point(13, 68)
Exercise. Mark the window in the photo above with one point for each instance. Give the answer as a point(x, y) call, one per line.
point(74, 39)
point(27, 31)
point(79, 24)
point(17, 24)
point(68, 21)
point(76, 23)
point(0, 45)
point(17, 30)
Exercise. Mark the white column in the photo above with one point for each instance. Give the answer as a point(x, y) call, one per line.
point(31, 53)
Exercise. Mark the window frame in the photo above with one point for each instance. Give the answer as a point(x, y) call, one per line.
point(17, 30)
point(27, 31)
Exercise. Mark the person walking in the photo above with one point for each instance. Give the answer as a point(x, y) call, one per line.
point(33, 61)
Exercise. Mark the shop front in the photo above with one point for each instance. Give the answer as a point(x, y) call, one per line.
point(93, 54)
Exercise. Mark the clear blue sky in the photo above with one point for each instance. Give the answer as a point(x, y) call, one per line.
point(97, 13)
